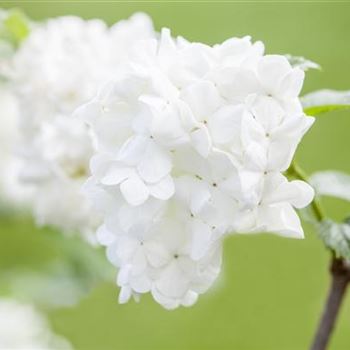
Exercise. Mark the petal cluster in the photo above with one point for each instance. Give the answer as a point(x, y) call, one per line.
point(57, 68)
point(191, 144)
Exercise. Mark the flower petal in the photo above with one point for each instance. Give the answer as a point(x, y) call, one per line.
point(134, 190)
point(201, 141)
point(104, 236)
point(281, 219)
point(155, 164)
point(172, 281)
point(164, 189)
point(224, 124)
point(133, 150)
point(279, 189)
point(115, 174)
point(203, 99)
point(271, 70)
point(201, 239)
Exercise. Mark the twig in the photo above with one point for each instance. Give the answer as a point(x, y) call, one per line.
point(340, 275)
point(340, 272)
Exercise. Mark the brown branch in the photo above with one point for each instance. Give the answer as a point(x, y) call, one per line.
point(340, 272)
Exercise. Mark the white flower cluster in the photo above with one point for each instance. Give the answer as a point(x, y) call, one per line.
point(23, 327)
point(58, 67)
point(11, 192)
point(192, 142)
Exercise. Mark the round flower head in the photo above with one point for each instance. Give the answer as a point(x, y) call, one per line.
point(23, 327)
point(58, 67)
point(192, 142)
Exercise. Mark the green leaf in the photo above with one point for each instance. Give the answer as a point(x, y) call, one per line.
point(62, 280)
point(331, 183)
point(324, 101)
point(302, 63)
point(336, 237)
point(17, 26)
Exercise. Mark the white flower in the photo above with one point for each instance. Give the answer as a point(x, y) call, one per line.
point(274, 210)
point(58, 67)
point(12, 192)
point(23, 327)
point(192, 141)
point(157, 258)
point(141, 169)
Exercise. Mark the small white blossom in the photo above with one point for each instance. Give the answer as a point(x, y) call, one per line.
point(192, 141)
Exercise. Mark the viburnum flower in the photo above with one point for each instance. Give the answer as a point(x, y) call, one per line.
point(23, 327)
point(58, 67)
point(192, 142)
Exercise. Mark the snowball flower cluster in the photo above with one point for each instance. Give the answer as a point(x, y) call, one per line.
point(191, 145)
point(23, 327)
point(58, 67)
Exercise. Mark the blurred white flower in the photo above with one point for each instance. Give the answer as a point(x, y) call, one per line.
point(58, 67)
point(191, 143)
point(12, 192)
point(23, 327)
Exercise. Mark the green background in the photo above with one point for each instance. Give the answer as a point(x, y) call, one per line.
point(271, 290)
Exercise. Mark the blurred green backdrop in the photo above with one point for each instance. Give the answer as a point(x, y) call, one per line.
point(272, 290)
